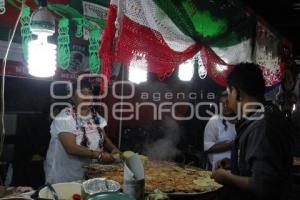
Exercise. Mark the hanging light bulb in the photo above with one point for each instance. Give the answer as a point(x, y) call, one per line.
point(186, 70)
point(42, 57)
point(294, 108)
point(41, 54)
point(138, 69)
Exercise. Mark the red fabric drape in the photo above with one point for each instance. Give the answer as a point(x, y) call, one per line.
point(161, 59)
point(107, 47)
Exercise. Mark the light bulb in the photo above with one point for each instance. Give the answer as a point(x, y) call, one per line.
point(138, 69)
point(294, 108)
point(41, 57)
point(186, 70)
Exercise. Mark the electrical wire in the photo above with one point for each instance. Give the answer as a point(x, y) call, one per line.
point(3, 80)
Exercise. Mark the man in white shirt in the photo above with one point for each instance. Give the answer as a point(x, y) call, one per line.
point(219, 134)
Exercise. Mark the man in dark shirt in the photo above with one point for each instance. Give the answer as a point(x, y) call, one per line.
point(262, 156)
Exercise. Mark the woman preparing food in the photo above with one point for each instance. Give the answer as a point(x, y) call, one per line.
point(77, 136)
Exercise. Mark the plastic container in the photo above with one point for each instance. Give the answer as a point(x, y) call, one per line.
point(63, 190)
point(110, 196)
point(97, 185)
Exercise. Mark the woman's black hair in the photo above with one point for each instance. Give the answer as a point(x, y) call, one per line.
point(247, 78)
point(83, 84)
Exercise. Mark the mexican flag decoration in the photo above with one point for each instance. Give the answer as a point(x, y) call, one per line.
point(267, 54)
point(141, 27)
point(168, 32)
point(225, 39)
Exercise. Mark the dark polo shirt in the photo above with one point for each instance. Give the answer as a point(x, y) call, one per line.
point(263, 152)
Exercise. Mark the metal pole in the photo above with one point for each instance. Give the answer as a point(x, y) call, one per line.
point(121, 113)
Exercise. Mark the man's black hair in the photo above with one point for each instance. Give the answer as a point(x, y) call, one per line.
point(247, 78)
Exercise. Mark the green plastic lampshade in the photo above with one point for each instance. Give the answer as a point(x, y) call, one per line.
point(110, 196)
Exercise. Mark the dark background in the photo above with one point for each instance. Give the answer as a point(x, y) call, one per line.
point(283, 16)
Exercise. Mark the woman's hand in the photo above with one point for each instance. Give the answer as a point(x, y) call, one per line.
point(106, 157)
point(115, 150)
point(118, 157)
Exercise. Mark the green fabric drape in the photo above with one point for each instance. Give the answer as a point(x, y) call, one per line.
point(218, 23)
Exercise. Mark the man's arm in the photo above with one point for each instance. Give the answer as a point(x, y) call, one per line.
point(217, 148)
point(210, 135)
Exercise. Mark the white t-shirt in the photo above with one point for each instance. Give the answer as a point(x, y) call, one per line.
point(215, 133)
point(59, 165)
